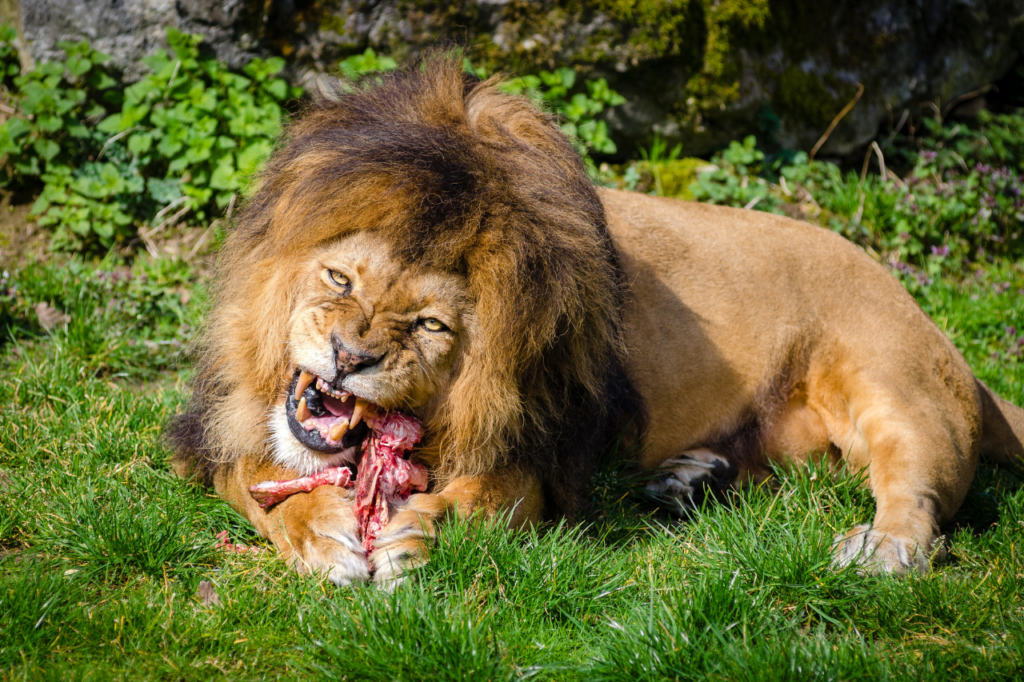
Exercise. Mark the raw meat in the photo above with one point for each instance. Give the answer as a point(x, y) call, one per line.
point(271, 492)
point(384, 475)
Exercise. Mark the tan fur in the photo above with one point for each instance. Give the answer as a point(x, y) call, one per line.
point(750, 338)
point(727, 302)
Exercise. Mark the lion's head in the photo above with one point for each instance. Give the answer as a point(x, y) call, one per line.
point(426, 244)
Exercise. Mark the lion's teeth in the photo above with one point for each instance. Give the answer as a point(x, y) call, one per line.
point(302, 412)
point(338, 431)
point(344, 396)
point(357, 412)
point(305, 379)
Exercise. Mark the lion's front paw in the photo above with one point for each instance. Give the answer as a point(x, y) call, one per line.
point(878, 552)
point(403, 543)
point(322, 535)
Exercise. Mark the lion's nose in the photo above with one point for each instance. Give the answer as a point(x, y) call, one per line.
point(348, 361)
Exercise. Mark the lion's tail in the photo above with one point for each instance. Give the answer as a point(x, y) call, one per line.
point(1002, 435)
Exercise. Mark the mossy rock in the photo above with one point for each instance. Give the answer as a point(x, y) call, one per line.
point(697, 72)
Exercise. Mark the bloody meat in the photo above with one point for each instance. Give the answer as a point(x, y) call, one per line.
point(384, 475)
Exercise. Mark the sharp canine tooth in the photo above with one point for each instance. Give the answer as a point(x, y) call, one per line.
point(305, 379)
point(357, 412)
point(338, 431)
point(302, 412)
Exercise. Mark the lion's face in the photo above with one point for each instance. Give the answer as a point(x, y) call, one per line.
point(366, 333)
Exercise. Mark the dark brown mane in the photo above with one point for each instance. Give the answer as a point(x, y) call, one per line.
point(463, 178)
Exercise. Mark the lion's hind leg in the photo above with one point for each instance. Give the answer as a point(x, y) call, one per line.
point(687, 479)
point(920, 458)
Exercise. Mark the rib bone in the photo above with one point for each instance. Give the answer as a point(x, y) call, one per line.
point(272, 492)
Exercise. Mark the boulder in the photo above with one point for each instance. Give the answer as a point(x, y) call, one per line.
point(704, 72)
point(128, 30)
point(699, 72)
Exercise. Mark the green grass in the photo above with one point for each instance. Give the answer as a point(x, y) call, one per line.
point(103, 548)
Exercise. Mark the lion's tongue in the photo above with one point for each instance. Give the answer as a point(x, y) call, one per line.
point(336, 407)
point(340, 414)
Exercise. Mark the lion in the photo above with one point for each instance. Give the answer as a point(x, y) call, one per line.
point(433, 246)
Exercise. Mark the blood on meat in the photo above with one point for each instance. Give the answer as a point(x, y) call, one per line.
point(384, 475)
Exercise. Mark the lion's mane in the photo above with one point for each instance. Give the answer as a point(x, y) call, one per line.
point(462, 177)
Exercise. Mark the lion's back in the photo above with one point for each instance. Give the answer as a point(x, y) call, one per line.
point(726, 303)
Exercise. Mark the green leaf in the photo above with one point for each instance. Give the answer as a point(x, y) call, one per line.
point(50, 124)
point(140, 143)
point(104, 228)
point(30, 168)
point(277, 87)
point(179, 164)
point(78, 66)
point(47, 149)
point(163, 191)
point(274, 65)
point(76, 129)
point(99, 80)
point(223, 176)
point(111, 124)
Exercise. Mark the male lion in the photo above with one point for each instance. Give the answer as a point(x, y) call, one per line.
point(432, 246)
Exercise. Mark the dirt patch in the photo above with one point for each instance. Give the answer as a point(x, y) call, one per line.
point(21, 240)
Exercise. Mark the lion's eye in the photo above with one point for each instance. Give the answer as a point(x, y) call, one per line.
point(338, 280)
point(433, 324)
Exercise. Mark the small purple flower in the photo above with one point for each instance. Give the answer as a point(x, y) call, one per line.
point(940, 251)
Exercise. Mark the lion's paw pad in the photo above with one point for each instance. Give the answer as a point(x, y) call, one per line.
point(690, 477)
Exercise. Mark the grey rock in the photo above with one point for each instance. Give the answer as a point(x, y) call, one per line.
point(802, 65)
point(128, 30)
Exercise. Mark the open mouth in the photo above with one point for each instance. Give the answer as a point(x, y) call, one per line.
point(324, 418)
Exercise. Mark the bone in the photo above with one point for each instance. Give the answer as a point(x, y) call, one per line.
point(357, 412)
point(271, 492)
point(338, 431)
point(305, 379)
point(302, 412)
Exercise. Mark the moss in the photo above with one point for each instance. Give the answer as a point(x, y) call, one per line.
point(809, 98)
point(698, 37)
point(678, 175)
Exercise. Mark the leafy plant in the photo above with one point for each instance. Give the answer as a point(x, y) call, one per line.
point(733, 180)
point(186, 137)
point(656, 158)
point(9, 64)
point(369, 62)
point(579, 110)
